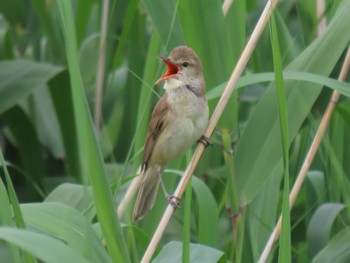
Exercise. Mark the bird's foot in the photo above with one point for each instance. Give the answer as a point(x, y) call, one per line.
point(205, 141)
point(173, 201)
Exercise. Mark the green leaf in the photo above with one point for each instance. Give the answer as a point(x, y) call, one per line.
point(41, 246)
point(320, 226)
point(17, 213)
point(251, 79)
point(63, 104)
point(207, 213)
point(19, 78)
point(29, 148)
point(344, 111)
point(261, 218)
point(127, 27)
point(45, 121)
point(7, 251)
point(48, 24)
point(337, 250)
point(82, 15)
point(67, 224)
point(172, 253)
point(318, 190)
point(14, 11)
point(74, 195)
point(186, 240)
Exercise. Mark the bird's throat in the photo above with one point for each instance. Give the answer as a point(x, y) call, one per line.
point(171, 84)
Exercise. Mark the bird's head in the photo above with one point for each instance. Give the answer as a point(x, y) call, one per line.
point(184, 66)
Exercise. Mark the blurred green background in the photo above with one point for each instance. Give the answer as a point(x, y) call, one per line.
point(64, 170)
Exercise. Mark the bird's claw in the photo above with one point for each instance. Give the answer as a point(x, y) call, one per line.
point(205, 141)
point(173, 201)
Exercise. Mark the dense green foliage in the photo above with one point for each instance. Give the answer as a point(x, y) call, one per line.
point(62, 177)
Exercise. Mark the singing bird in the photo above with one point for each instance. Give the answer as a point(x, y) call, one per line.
point(178, 121)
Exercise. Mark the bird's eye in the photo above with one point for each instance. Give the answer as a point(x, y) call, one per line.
point(185, 64)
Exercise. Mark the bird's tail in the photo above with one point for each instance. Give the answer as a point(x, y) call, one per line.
point(147, 193)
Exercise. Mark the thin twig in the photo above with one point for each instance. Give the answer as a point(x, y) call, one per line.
point(134, 186)
point(241, 64)
point(101, 66)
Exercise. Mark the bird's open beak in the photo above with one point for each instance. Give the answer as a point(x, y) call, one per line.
point(171, 72)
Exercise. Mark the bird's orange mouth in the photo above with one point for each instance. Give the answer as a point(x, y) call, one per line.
point(171, 72)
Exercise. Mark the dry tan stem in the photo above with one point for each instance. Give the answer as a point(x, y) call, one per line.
point(308, 160)
point(321, 7)
point(241, 64)
point(134, 186)
point(226, 6)
point(101, 66)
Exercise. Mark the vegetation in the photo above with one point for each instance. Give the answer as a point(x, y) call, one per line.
point(76, 92)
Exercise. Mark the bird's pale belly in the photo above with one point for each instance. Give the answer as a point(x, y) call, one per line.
point(185, 133)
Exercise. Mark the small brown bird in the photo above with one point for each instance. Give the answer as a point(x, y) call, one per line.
point(178, 120)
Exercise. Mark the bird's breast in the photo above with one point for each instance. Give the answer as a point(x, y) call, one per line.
point(188, 118)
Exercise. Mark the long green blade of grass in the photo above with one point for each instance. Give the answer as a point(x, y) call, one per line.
point(6, 219)
point(62, 102)
point(285, 241)
point(187, 224)
point(231, 197)
point(28, 143)
point(15, 207)
point(89, 153)
point(251, 79)
point(130, 13)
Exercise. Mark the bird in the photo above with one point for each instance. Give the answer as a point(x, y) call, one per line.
point(177, 122)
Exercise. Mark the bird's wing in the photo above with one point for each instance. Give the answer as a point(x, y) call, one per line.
point(156, 126)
